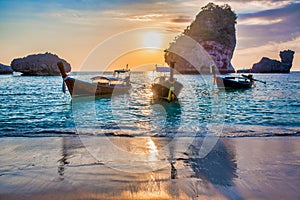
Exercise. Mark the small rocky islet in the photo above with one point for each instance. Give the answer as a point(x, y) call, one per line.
point(39, 65)
point(5, 69)
point(43, 64)
point(267, 65)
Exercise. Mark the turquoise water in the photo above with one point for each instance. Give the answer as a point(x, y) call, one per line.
point(36, 106)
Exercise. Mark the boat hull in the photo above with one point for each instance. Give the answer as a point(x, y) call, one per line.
point(161, 90)
point(79, 88)
point(229, 84)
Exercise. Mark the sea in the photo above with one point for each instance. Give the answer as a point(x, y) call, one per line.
point(35, 106)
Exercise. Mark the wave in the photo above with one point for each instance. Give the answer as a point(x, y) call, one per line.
point(258, 131)
point(36, 132)
point(227, 130)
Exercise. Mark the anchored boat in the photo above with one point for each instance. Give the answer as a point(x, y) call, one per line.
point(164, 87)
point(100, 86)
point(232, 82)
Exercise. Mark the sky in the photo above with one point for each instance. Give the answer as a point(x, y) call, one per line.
point(95, 35)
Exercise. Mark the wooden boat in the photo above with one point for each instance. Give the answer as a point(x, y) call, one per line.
point(232, 82)
point(100, 86)
point(164, 87)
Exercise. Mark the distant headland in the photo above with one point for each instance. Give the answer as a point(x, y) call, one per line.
point(5, 69)
point(267, 65)
point(39, 65)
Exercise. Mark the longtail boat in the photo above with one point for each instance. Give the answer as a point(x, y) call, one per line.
point(232, 82)
point(164, 87)
point(100, 85)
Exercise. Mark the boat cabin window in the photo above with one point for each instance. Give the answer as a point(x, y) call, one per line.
point(115, 82)
point(103, 81)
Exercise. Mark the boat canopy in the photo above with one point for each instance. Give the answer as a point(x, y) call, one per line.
point(121, 70)
point(104, 78)
point(98, 77)
point(162, 69)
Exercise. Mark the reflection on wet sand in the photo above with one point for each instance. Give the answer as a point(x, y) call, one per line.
point(267, 169)
point(170, 174)
point(217, 170)
point(69, 147)
point(64, 159)
point(148, 167)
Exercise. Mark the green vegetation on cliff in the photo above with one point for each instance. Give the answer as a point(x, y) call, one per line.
point(214, 29)
point(214, 23)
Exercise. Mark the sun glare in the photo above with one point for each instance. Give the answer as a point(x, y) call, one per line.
point(139, 60)
point(152, 39)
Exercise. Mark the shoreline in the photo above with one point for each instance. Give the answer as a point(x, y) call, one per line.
point(228, 131)
point(66, 168)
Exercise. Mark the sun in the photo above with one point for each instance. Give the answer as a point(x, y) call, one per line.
point(152, 40)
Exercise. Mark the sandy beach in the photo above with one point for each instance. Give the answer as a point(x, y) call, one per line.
point(64, 168)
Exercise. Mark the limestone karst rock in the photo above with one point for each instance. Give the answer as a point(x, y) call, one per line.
point(267, 65)
point(39, 65)
point(214, 30)
point(4, 69)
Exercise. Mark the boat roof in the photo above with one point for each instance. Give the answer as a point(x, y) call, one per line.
point(106, 78)
point(231, 77)
point(162, 69)
point(122, 70)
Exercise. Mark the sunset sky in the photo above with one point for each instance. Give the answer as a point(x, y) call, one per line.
point(93, 34)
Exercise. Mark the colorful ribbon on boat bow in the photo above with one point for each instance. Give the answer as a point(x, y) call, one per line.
point(64, 85)
point(171, 95)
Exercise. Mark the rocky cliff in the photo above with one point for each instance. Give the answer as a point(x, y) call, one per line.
point(214, 30)
point(267, 65)
point(4, 69)
point(39, 65)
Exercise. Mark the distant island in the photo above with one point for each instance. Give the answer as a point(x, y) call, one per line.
point(5, 69)
point(39, 65)
point(267, 65)
point(214, 30)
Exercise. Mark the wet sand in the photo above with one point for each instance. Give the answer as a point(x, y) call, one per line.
point(150, 168)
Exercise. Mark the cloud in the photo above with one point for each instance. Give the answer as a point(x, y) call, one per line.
point(153, 12)
point(274, 25)
point(289, 9)
point(182, 19)
point(253, 6)
point(259, 21)
point(271, 47)
point(262, 1)
point(138, 17)
point(245, 58)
